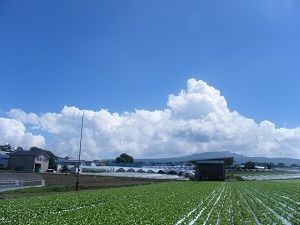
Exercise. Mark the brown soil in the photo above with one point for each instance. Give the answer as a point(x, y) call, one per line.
point(93, 181)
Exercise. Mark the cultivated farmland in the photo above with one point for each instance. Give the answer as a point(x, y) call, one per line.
point(176, 202)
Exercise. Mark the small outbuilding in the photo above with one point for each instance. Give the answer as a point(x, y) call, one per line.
point(212, 168)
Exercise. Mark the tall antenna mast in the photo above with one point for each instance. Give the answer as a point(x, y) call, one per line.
point(241, 157)
point(77, 180)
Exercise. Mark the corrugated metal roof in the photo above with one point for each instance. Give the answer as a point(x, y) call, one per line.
point(228, 160)
point(29, 153)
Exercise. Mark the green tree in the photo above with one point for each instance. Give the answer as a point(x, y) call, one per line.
point(249, 165)
point(270, 166)
point(64, 169)
point(124, 158)
point(5, 147)
point(36, 149)
point(19, 149)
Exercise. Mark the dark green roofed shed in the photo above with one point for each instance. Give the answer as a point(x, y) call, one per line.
point(212, 168)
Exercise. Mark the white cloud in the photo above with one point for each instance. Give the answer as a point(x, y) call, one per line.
point(13, 132)
point(198, 101)
point(196, 120)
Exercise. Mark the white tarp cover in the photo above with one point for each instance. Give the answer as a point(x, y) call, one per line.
point(140, 175)
point(273, 177)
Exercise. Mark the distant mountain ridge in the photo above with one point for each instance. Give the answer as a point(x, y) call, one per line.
point(238, 158)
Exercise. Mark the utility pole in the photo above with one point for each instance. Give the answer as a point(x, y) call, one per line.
point(77, 180)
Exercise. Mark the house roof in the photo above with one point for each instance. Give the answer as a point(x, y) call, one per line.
point(61, 160)
point(71, 161)
point(29, 153)
point(228, 160)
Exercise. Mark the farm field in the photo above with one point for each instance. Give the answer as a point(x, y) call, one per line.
point(175, 202)
point(67, 182)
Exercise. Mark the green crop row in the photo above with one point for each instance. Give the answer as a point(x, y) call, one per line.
point(255, 202)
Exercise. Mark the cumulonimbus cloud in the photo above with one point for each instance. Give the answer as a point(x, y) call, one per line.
point(196, 120)
point(13, 132)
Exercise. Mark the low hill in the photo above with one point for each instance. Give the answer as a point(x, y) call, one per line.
point(237, 158)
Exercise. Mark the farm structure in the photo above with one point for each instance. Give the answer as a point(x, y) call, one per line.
point(167, 170)
point(30, 161)
point(212, 168)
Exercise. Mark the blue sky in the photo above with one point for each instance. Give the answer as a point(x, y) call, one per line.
point(129, 56)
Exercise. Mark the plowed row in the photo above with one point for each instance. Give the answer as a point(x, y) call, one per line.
point(266, 202)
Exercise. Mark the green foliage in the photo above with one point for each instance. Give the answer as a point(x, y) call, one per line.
point(5, 147)
point(176, 202)
point(64, 169)
point(19, 149)
point(36, 149)
point(51, 160)
point(121, 160)
point(249, 165)
point(124, 158)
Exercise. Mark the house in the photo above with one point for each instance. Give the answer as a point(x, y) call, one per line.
point(70, 163)
point(31, 161)
point(90, 163)
point(212, 168)
point(60, 161)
